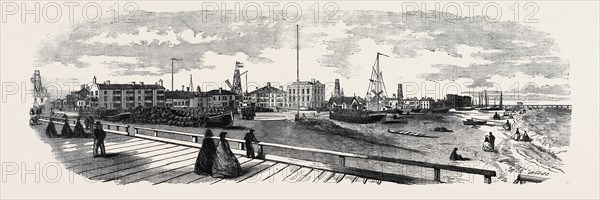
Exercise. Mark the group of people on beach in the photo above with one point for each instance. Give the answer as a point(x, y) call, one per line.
point(80, 132)
point(218, 160)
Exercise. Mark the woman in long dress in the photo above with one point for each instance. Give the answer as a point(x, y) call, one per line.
point(206, 155)
point(51, 130)
point(66, 130)
point(517, 135)
point(79, 131)
point(525, 137)
point(225, 165)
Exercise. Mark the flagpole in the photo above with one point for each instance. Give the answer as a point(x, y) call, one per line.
point(298, 67)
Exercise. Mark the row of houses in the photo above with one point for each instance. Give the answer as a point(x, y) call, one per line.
point(311, 95)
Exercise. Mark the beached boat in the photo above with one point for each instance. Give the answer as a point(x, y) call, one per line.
point(464, 108)
point(474, 121)
point(355, 116)
point(118, 117)
point(221, 120)
point(440, 110)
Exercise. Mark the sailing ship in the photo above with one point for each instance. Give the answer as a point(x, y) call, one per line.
point(494, 107)
point(374, 112)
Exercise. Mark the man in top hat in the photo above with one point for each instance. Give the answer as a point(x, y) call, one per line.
point(249, 138)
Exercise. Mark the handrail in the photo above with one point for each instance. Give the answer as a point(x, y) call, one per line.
point(342, 155)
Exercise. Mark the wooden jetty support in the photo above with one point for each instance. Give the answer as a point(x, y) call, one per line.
point(163, 160)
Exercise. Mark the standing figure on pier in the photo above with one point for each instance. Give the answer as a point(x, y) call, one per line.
point(51, 130)
point(78, 131)
point(66, 131)
point(225, 165)
point(206, 155)
point(249, 138)
point(99, 136)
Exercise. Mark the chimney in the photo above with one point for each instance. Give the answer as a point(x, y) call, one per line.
point(182, 87)
point(94, 79)
point(187, 88)
point(133, 82)
point(161, 82)
point(107, 82)
point(220, 90)
point(141, 83)
point(312, 80)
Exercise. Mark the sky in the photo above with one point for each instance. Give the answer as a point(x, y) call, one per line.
point(430, 58)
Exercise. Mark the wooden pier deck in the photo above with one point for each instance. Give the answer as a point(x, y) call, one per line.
point(131, 160)
point(134, 157)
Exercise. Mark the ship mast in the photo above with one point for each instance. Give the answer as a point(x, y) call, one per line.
point(298, 68)
point(376, 84)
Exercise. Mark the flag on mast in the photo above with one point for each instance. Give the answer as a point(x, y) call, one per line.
point(239, 64)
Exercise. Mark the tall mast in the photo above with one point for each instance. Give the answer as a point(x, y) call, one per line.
point(172, 72)
point(298, 67)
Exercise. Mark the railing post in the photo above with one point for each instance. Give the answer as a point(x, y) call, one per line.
point(342, 161)
point(127, 129)
point(155, 133)
point(118, 128)
point(241, 146)
point(135, 131)
point(108, 126)
point(261, 153)
point(195, 139)
point(487, 179)
point(437, 174)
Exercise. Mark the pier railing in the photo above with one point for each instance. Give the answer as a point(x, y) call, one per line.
point(342, 156)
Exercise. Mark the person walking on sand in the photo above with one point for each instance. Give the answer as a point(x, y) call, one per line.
point(99, 136)
point(206, 155)
point(492, 140)
point(517, 135)
point(249, 138)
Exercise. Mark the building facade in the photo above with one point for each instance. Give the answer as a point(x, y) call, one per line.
point(309, 94)
point(126, 96)
point(267, 97)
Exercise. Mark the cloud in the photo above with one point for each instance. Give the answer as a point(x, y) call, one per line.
point(478, 53)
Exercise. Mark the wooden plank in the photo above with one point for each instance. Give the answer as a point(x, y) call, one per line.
point(138, 152)
point(433, 165)
point(158, 170)
point(248, 169)
point(259, 175)
point(87, 152)
point(185, 178)
point(244, 162)
point(120, 152)
point(299, 174)
point(310, 176)
point(118, 167)
point(122, 174)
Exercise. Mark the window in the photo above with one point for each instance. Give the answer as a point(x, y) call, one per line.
point(307, 98)
point(105, 98)
point(139, 98)
point(96, 92)
point(105, 92)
